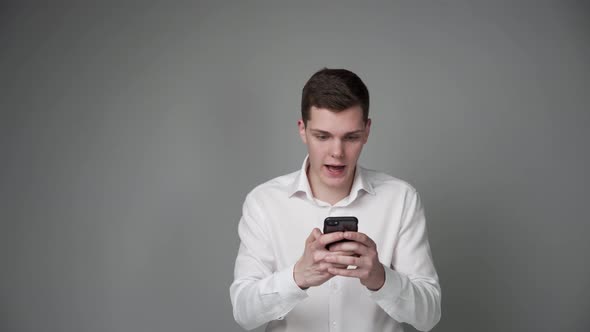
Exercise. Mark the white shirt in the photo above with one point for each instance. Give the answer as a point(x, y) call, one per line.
point(279, 215)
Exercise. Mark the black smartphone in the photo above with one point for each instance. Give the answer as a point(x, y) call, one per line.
point(340, 224)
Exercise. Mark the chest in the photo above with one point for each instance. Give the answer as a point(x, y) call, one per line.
point(289, 228)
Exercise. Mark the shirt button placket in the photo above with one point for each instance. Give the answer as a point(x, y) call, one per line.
point(334, 326)
point(333, 284)
point(334, 299)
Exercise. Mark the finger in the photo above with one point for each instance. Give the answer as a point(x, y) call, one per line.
point(341, 253)
point(325, 266)
point(344, 260)
point(335, 266)
point(311, 237)
point(356, 273)
point(351, 247)
point(361, 238)
point(330, 238)
point(316, 233)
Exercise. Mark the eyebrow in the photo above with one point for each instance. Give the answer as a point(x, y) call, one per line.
point(322, 132)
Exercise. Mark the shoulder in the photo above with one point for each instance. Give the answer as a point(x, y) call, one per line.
point(276, 187)
point(383, 182)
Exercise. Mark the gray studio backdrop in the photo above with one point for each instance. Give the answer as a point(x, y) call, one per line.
point(130, 135)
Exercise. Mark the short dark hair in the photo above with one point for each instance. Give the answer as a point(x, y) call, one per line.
point(336, 90)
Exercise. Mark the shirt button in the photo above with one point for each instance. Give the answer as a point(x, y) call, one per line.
point(334, 323)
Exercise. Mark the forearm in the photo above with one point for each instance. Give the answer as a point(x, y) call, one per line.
point(259, 301)
point(410, 299)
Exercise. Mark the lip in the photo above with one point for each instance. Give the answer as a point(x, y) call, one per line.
point(336, 174)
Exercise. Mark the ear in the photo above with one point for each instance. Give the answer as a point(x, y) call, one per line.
point(367, 130)
point(301, 126)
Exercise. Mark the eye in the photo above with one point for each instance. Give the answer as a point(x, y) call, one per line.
point(321, 137)
point(352, 138)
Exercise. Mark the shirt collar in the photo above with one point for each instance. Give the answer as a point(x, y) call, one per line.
point(301, 182)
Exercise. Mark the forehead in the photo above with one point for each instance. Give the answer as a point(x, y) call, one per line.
point(350, 119)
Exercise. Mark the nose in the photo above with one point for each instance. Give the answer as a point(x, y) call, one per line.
point(337, 149)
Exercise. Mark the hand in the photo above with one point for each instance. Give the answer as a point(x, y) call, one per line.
point(312, 268)
point(369, 270)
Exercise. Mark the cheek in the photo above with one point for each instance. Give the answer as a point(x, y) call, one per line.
point(316, 151)
point(317, 148)
point(354, 149)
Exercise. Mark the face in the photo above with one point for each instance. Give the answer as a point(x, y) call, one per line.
point(334, 142)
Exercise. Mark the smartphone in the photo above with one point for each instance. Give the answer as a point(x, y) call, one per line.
point(340, 224)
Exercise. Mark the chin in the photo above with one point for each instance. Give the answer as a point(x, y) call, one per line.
point(335, 183)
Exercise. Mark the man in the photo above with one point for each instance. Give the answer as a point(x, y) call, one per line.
point(288, 275)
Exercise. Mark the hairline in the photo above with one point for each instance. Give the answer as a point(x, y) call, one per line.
point(365, 121)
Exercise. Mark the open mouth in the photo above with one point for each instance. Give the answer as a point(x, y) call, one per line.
point(335, 169)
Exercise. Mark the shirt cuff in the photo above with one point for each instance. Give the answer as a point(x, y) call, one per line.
point(288, 291)
point(391, 289)
point(287, 288)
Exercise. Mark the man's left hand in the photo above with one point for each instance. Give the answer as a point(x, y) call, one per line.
point(369, 270)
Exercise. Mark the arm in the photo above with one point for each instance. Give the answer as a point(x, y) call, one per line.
point(259, 293)
point(409, 292)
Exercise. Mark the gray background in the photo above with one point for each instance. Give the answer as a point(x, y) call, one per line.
point(130, 135)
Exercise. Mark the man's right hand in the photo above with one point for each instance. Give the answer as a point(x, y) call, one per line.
point(311, 269)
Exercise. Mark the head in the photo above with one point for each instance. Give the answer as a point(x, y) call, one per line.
point(335, 126)
point(336, 90)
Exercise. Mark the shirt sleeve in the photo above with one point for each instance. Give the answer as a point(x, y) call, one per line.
point(259, 293)
point(411, 292)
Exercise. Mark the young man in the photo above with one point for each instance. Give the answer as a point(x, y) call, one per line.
point(286, 275)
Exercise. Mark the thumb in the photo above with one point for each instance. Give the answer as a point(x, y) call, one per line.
point(316, 233)
point(312, 236)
